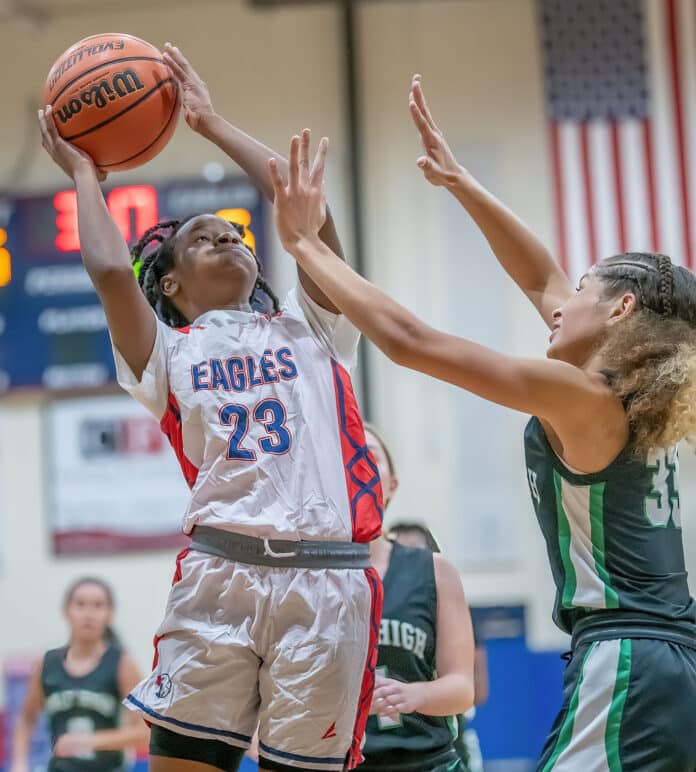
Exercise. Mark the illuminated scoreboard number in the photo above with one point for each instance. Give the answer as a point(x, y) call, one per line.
point(241, 217)
point(134, 209)
point(5, 260)
point(52, 327)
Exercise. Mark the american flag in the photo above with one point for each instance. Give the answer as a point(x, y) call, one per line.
point(621, 100)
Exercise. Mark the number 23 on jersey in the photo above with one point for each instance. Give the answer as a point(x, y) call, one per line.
point(271, 414)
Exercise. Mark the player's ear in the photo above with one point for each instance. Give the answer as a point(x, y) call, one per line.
point(169, 285)
point(393, 485)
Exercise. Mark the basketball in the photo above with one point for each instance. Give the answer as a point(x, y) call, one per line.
point(113, 97)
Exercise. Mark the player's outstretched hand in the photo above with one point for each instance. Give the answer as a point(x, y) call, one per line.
point(300, 206)
point(439, 165)
point(67, 156)
point(194, 94)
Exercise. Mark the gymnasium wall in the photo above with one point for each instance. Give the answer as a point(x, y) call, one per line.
point(459, 460)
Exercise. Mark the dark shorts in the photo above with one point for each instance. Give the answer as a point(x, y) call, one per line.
point(409, 761)
point(218, 754)
point(629, 705)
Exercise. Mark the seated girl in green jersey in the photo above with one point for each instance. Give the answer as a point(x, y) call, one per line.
point(80, 687)
point(608, 404)
point(425, 618)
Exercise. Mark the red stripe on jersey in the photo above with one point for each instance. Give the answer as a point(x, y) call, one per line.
point(355, 756)
point(186, 330)
point(176, 578)
point(362, 476)
point(171, 426)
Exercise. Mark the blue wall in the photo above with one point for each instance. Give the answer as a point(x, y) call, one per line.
point(525, 691)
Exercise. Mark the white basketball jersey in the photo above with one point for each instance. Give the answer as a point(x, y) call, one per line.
point(261, 414)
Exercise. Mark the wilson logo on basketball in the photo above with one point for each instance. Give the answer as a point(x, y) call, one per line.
point(98, 95)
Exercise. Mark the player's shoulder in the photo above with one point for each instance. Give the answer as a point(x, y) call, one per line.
point(445, 570)
point(52, 660)
point(174, 336)
point(290, 321)
point(54, 655)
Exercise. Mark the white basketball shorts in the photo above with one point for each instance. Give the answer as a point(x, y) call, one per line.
point(293, 649)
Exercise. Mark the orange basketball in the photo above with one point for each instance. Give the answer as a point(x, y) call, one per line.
point(115, 98)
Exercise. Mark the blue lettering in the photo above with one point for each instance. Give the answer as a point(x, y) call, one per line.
point(218, 376)
point(242, 373)
point(235, 370)
point(289, 370)
point(267, 365)
point(198, 372)
point(251, 369)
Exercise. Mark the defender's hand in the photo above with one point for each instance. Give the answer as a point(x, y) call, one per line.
point(439, 165)
point(194, 94)
point(300, 207)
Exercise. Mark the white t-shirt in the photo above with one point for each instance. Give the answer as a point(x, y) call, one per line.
point(261, 414)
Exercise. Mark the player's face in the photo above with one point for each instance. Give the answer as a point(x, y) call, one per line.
point(388, 480)
point(88, 613)
point(213, 266)
point(580, 323)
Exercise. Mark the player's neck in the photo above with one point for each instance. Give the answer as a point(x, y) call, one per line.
point(86, 650)
point(197, 311)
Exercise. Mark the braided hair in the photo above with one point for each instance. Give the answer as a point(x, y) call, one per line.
point(659, 287)
point(151, 266)
point(651, 355)
point(666, 285)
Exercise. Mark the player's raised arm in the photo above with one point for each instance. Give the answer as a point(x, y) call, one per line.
point(105, 254)
point(553, 390)
point(526, 260)
point(248, 153)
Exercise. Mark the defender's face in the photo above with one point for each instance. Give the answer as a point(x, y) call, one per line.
point(580, 323)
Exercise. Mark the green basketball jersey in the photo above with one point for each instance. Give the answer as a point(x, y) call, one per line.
point(82, 704)
point(407, 653)
point(614, 537)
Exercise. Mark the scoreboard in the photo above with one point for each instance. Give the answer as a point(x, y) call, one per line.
point(53, 331)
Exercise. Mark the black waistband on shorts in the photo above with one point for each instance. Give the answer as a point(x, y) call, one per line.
point(279, 553)
point(610, 625)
